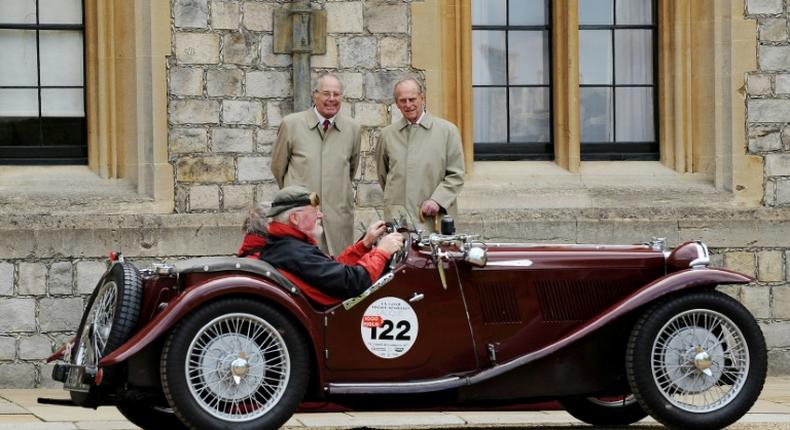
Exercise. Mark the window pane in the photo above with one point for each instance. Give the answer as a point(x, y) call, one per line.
point(634, 115)
point(592, 12)
point(60, 11)
point(530, 115)
point(61, 58)
point(17, 11)
point(596, 114)
point(527, 12)
point(634, 56)
point(19, 45)
point(528, 57)
point(18, 102)
point(62, 102)
point(488, 12)
point(595, 57)
point(489, 54)
point(633, 12)
point(490, 115)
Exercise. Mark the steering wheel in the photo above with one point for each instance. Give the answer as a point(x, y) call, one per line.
point(400, 256)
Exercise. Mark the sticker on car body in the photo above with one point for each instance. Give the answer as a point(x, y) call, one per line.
point(389, 327)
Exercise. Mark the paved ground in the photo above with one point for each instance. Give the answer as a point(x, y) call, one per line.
point(19, 411)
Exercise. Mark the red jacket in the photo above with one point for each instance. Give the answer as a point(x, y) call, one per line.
point(325, 280)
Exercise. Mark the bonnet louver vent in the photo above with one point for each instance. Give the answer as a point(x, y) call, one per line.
point(578, 300)
point(498, 303)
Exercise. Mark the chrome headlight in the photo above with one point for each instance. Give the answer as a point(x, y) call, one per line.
point(477, 256)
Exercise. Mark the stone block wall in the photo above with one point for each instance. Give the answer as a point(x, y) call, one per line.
point(228, 92)
point(768, 297)
point(768, 134)
point(768, 98)
point(41, 302)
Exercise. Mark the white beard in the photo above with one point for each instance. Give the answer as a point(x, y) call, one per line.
point(318, 230)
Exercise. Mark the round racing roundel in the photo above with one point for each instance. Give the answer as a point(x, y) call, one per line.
point(389, 327)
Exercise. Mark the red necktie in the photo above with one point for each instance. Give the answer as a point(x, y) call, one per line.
point(326, 125)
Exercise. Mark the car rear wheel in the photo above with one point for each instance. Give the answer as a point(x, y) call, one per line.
point(697, 360)
point(109, 319)
point(148, 416)
point(235, 362)
point(605, 411)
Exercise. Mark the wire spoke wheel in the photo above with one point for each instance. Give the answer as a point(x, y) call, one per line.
point(93, 338)
point(696, 360)
point(237, 367)
point(108, 321)
point(700, 360)
point(235, 362)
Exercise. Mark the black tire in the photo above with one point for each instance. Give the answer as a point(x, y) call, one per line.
point(111, 315)
point(235, 338)
point(620, 411)
point(148, 416)
point(696, 360)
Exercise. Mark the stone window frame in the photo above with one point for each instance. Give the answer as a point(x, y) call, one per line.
point(705, 51)
point(127, 48)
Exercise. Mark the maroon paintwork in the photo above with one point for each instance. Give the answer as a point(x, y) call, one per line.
point(528, 304)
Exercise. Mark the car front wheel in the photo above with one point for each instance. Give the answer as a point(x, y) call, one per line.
point(696, 360)
point(235, 362)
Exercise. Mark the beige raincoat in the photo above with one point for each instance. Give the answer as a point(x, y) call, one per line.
point(324, 163)
point(420, 162)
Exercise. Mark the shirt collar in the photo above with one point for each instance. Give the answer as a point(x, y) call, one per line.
point(423, 121)
point(321, 117)
point(419, 120)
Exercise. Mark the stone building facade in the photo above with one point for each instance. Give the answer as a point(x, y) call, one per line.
point(198, 93)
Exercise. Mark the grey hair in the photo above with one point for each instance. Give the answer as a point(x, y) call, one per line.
point(420, 87)
point(317, 81)
point(283, 217)
point(256, 221)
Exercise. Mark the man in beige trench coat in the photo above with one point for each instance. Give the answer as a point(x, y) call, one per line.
point(420, 161)
point(319, 149)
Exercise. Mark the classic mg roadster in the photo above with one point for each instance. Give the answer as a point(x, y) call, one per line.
point(612, 332)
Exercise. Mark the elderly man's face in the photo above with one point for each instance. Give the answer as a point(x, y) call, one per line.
point(308, 220)
point(327, 98)
point(409, 100)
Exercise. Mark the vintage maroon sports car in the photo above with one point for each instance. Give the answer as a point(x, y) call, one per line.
point(614, 333)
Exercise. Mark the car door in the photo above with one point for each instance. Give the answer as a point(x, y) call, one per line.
point(410, 329)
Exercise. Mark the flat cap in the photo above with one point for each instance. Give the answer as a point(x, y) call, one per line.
point(290, 197)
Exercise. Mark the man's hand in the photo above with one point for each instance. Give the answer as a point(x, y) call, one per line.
point(391, 243)
point(429, 208)
point(374, 232)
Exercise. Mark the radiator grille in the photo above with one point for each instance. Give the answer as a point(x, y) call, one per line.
point(498, 303)
point(578, 300)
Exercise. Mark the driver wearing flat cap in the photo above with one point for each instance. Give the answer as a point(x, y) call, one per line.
point(292, 248)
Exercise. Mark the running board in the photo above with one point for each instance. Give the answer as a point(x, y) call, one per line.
point(398, 387)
